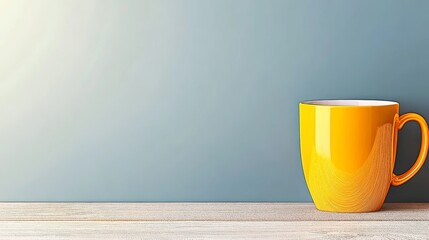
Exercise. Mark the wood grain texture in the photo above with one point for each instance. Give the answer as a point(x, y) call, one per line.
point(214, 230)
point(207, 221)
point(202, 212)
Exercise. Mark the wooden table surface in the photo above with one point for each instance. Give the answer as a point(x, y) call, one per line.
point(208, 221)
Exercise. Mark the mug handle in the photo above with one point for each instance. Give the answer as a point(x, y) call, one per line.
point(399, 123)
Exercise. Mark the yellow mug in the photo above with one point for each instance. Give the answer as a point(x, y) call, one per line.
point(348, 150)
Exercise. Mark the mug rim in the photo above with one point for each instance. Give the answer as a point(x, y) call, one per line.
point(349, 102)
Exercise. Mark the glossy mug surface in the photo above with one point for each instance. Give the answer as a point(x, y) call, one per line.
point(348, 150)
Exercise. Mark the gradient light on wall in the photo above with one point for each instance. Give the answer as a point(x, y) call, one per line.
point(192, 100)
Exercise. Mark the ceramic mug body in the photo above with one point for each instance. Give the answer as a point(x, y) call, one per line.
point(348, 150)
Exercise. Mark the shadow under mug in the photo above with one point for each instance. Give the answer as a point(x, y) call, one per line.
point(348, 151)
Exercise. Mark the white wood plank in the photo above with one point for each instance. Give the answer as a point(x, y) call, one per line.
point(214, 230)
point(200, 212)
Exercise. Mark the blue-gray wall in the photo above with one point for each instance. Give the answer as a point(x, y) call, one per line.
point(193, 100)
